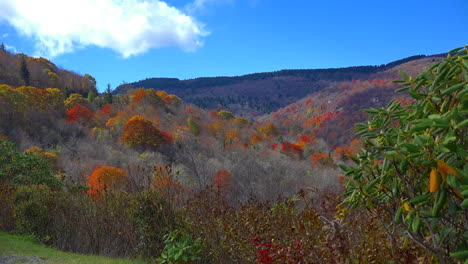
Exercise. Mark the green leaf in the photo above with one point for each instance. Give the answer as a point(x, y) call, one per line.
point(452, 89)
point(411, 147)
point(464, 204)
point(463, 123)
point(420, 199)
point(398, 214)
point(440, 201)
point(460, 254)
point(416, 224)
point(404, 75)
point(390, 154)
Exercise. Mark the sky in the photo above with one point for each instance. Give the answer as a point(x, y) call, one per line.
point(120, 41)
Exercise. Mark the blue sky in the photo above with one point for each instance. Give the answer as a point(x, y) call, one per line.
point(129, 40)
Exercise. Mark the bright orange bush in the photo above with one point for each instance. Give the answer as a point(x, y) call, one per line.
point(256, 139)
point(106, 178)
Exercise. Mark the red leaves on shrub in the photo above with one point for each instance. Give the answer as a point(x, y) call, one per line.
point(271, 254)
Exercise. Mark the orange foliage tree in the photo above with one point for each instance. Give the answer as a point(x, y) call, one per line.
point(105, 178)
point(321, 160)
point(255, 139)
point(140, 132)
point(164, 182)
point(348, 151)
point(147, 97)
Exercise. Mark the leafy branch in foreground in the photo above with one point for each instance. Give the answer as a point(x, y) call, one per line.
point(414, 162)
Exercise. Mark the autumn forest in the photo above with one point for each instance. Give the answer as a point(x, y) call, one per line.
point(349, 165)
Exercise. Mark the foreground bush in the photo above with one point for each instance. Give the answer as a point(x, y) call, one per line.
point(117, 224)
point(18, 168)
point(423, 179)
point(257, 232)
point(207, 229)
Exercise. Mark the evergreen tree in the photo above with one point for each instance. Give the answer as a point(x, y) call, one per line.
point(108, 95)
point(24, 72)
point(66, 92)
point(2, 47)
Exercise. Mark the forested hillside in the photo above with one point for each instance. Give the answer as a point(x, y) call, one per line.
point(146, 174)
point(332, 112)
point(22, 70)
point(264, 92)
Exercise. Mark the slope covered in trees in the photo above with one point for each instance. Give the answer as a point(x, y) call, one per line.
point(332, 112)
point(19, 69)
point(261, 92)
point(146, 174)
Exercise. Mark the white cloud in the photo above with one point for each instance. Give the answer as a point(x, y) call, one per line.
point(129, 27)
point(5, 35)
point(11, 48)
point(201, 5)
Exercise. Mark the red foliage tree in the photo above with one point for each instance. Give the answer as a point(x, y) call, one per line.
point(107, 109)
point(79, 113)
point(292, 150)
point(222, 179)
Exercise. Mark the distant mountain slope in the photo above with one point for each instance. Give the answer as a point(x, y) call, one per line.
point(332, 112)
point(260, 92)
point(41, 73)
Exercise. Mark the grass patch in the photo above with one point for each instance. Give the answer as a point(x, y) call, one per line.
point(23, 246)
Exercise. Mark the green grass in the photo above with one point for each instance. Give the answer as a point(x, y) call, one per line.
point(25, 246)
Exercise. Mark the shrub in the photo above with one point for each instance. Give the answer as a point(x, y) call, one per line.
point(24, 168)
point(292, 231)
point(118, 224)
point(32, 207)
point(153, 218)
point(180, 249)
point(423, 181)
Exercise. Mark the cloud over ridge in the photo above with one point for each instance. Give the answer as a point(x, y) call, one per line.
point(129, 27)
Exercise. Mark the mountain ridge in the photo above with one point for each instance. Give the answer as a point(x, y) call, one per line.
point(263, 92)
